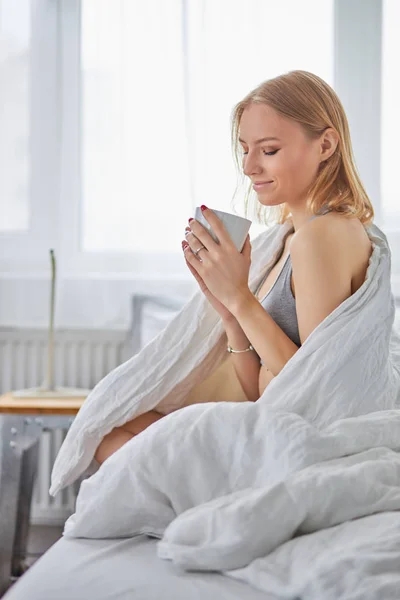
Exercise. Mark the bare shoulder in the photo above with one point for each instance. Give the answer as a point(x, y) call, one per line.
point(351, 236)
point(349, 240)
point(343, 228)
point(330, 256)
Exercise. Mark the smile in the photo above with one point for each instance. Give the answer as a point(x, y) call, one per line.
point(259, 186)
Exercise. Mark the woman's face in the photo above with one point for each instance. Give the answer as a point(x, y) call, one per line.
point(289, 162)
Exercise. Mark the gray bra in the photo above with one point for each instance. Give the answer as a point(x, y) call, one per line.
point(279, 302)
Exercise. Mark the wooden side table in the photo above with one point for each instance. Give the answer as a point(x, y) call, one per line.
point(39, 406)
point(21, 423)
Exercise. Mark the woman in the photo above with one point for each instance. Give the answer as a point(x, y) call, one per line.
point(293, 137)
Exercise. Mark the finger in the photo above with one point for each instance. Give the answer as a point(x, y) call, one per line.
point(195, 244)
point(191, 258)
point(246, 250)
point(198, 235)
point(192, 240)
point(195, 273)
point(186, 253)
point(217, 226)
point(199, 279)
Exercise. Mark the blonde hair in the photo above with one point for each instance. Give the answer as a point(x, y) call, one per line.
point(307, 99)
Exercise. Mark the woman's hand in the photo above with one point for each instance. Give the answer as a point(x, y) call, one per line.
point(223, 312)
point(219, 268)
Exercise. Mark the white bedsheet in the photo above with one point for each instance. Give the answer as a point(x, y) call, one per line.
point(120, 570)
point(349, 562)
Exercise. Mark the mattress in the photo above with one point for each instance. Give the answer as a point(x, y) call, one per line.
point(120, 569)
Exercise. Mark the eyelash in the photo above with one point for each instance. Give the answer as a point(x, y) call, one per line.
point(266, 153)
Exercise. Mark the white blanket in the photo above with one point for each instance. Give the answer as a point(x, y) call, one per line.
point(227, 485)
point(298, 491)
point(349, 365)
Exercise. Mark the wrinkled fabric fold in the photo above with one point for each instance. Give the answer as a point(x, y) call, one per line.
point(348, 366)
point(297, 494)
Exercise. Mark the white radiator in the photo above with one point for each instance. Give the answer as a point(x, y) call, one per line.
point(81, 359)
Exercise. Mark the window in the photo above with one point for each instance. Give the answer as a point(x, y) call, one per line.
point(14, 115)
point(135, 178)
point(159, 81)
point(390, 114)
point(29, 126)
point(122, 126)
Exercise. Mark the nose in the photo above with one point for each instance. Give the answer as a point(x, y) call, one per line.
point(251, 165)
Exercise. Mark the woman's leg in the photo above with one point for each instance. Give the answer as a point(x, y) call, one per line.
point(111, 443)
point(120, 435)
point(141, 422)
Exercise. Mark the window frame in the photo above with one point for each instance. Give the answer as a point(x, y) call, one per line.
point(363, 65)
point(25, 252)
point(162, 266)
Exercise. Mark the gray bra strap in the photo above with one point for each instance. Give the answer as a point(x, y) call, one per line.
point(320, 214)
point(310, 219)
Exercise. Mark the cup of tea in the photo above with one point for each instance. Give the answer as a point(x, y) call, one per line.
point(237, 227)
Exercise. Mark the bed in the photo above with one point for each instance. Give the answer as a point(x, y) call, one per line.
point(357, 560)
point(120, 569)
point(294, 496)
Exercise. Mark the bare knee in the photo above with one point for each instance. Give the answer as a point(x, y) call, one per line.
point(120, 435)
point(140, 423)
point(111, 443)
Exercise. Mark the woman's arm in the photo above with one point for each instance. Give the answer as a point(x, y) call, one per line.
point(272, 344)
point(246, 364)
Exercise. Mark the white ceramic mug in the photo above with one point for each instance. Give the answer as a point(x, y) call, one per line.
point(237, 227)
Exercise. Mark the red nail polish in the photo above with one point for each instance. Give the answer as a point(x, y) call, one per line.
point(191, 219)
point(203, 207)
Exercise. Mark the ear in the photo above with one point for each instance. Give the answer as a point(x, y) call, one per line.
point(328, 143)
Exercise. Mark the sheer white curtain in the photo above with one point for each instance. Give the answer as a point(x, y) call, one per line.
point(390, 114)
point(117, 124)
point(135, 177)
point(159, 81)
point(15, 34)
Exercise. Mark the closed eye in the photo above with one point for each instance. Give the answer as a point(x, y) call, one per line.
point(267, 153)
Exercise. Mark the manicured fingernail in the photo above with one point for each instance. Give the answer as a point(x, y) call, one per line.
point(185, 244)
point(203, 207)
point(191, 219)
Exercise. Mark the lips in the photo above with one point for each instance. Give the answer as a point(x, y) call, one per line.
point(260, 186)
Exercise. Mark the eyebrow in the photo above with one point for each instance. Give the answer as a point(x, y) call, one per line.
point(265, 139)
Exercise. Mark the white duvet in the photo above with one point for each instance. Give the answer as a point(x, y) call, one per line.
point(307, 475)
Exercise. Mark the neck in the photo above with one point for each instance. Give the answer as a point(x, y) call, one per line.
point(299, 218)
